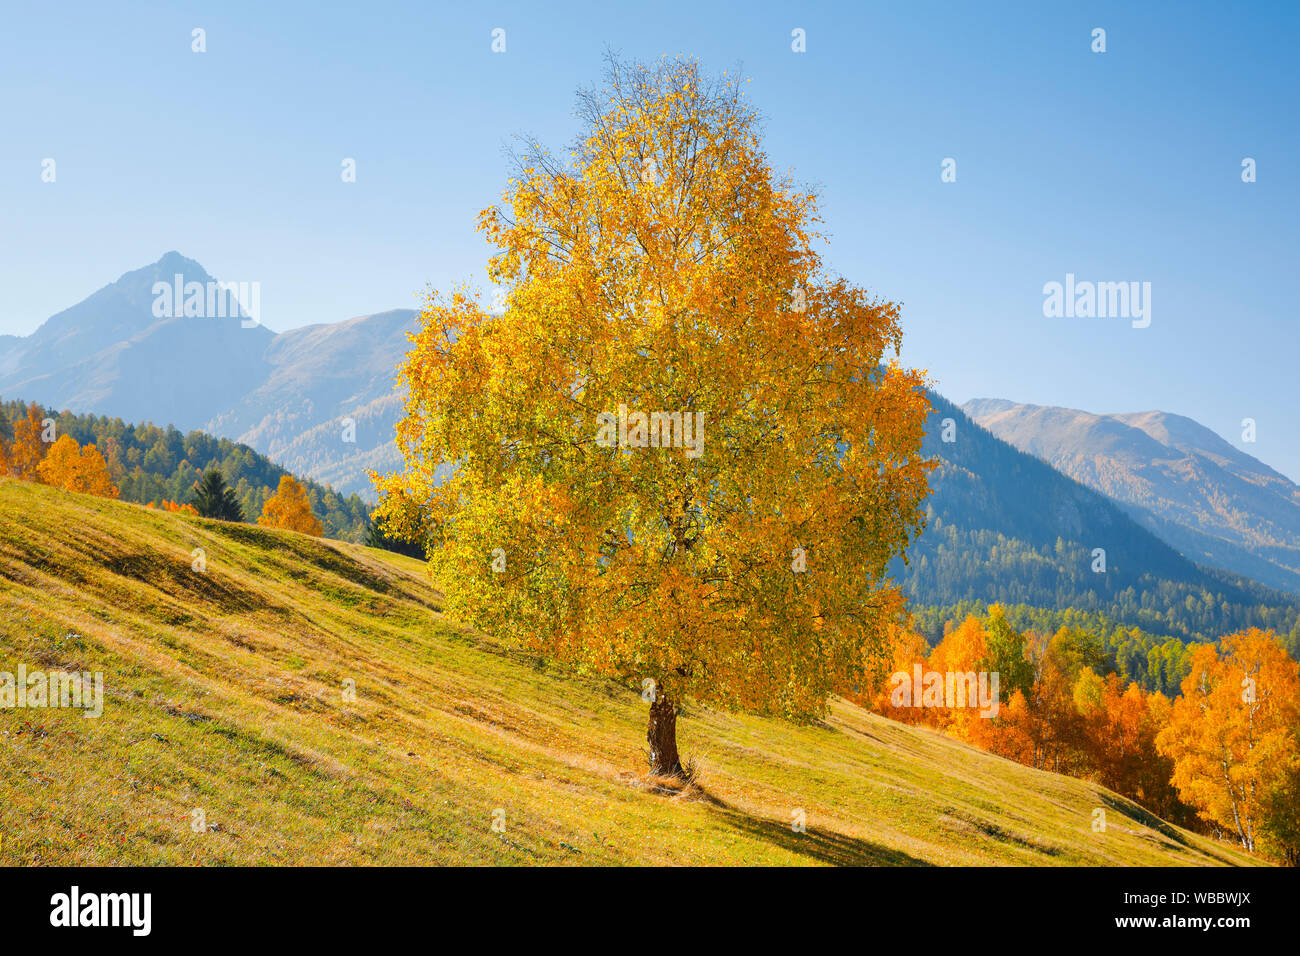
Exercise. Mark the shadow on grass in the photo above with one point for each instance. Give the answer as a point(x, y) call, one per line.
point(1146, 818)
point(816, 843)
point(1143, 817)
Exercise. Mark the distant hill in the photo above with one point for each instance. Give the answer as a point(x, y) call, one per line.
point(1006, 526)
point(223, 691)
point(288, 396)
point(150, 464)
point(1213, 502)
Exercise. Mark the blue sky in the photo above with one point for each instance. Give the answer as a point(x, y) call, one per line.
point(1115, 166)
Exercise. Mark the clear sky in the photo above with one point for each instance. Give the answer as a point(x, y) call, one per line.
point(1115, 166)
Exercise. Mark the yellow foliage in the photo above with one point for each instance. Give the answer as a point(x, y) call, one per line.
point(1232, 733)
point(667, 272)
point(28, 448)
point(289, 508)
point(73, 468)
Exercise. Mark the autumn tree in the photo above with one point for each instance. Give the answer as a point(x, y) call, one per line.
point(684, 453)
point(32, 439)
point(289, 508)
point(1005, 654)
point(1279, 823)
point(73, 468)
point(1231, 735)
point(377, 535)
point(963, 650)
point(1118, 730)
point(212, 499)
point(1050, 719)
point(909, 649)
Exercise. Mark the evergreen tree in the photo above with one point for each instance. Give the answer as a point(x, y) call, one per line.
point(212, 499)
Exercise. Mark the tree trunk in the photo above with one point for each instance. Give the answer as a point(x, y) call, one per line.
point(662, 737)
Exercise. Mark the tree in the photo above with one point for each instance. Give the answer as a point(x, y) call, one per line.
point(73, 468)
point(1006, 655)
point(212, 499)
point(684, 455)
point(1279, 823)
point(289, 508)
point(1231, 734)
point(963, 649)
point(908, 650)
point(1118, 728)
point(29, 446)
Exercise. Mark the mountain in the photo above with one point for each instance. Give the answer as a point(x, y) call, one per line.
point(1213, 502)
point(288, 396)
point(320, 376)
point(1005, 526)
point(222, 691)
point(110, 353)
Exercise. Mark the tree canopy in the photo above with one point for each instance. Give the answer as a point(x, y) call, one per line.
point(684, 453)
point(289, 508)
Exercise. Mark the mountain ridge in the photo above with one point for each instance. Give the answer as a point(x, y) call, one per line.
point(1214, 502)
point(288, 395)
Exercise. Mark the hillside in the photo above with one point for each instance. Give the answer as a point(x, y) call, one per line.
point(223, 691)
point(1214, 503)
point(152, 464)
point(1005, 526)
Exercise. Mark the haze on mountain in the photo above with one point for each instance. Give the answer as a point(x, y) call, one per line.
point(286, 395)
point(1213, 502)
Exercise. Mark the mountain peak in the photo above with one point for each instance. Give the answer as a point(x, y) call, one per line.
point(169, 265)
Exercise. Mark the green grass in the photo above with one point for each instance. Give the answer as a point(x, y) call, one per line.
point(224, 691)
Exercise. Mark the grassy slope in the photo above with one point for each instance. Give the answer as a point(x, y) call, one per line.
point(223, 692)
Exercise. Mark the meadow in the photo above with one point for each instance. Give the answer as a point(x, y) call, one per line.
point(311, 701)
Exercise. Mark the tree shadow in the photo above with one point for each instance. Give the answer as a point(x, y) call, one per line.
point(816, 843)
point(1144, 817)
point(1140, 815)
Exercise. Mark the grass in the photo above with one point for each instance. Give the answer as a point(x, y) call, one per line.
point(225, 692)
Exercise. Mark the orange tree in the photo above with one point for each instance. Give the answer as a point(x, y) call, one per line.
point(684, 455)
point(73, 468)
point(29, 447)
point(289, 508)
point(1232, 733)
